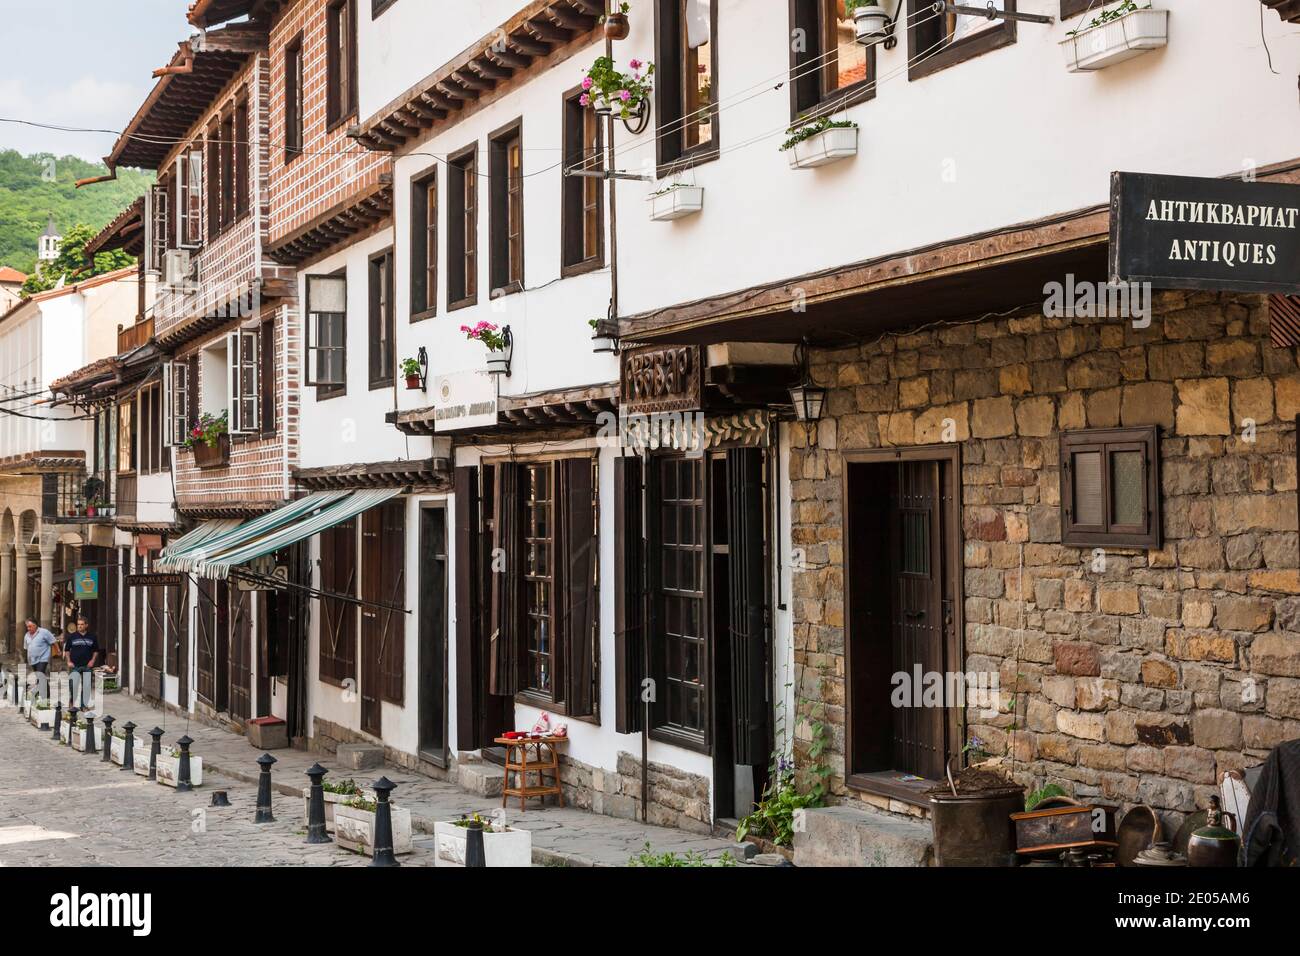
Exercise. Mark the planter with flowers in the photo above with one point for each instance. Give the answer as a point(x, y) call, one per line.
point(502, 845)
point(169, 768)
point(496, 340)
point(820, 141)
point(413, 375)
point(209, 439)
point(675, 201)
point(1115, 35)
point(354, 826)
point(77, 740)
point(42, 715)
point(609, 91)
point(615, 23)
point(117, 747)
point(334, 793)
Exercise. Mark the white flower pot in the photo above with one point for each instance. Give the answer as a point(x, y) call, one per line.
point(117, 750)
point(42, 718)
point(828, 146)
point(354, 829)
point(870, 24)
point(1131, 35)
point(676, 203)
point(509, 848)
point(78, 741)
point(332, 800)
point(169, 770)
point(497, 363)
point(604, 343)
point(140, 758)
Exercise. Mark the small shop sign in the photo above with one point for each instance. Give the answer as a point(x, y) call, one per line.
point(658, 379)
point(155, 580)
point(464, 400)
point(1184, 232)
point(85, 584)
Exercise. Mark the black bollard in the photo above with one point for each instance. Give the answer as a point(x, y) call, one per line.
point(58, 718)
point(183, 771)
point(316, 832)
point(475, 851)
point(264, 790)
point(154, 750)
point(384, 855)
point(72, 723)
point(90, 735)
point(219, 799)
point(128, 755)
point(107, 721)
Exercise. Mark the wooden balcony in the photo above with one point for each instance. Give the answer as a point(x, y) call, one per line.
point(134, 336)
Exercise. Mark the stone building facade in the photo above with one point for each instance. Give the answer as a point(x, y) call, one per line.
point(1128, 676)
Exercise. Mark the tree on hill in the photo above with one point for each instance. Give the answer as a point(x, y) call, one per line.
point(71, 264)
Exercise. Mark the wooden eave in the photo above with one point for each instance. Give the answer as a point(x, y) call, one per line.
point(125, 232)
point(209, 13)
point(335, 226)
point(221, 312)
point(1288, 10)
point(575, 411)
point(540, 35)
point(44, 462)
point(428, 474)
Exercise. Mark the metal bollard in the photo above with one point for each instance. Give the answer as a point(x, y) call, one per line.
point(475, 852)
point(58, 718)
point(183, 772)
point(107, 721)
point(384, 855)
point(219, 799)
point(128, 755)
point(154, 750)
point(264, 790)
point(90, 747)
point(316, 830)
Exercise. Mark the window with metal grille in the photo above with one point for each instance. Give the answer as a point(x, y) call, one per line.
point(1110, 487)
point(682, 703)
point(539, 578)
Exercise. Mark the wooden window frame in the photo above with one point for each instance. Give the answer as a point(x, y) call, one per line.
point(244, 378)
point(1107, 441)
point(552, 580)
point(379, 7)
point(1074, 8)
point(381, 311)
point(213, 175)
point(505, 198)
point(340, 84)
point(227, 169)
point(994, 38)
point(826, 101)
point(573, 198)
point(424, 244)
point(670, 156)
point(179, 415)
point(242, 158)
point(326, 391)
point(293, 100)
point(266, 380)
point(461, 247)
point(126, 447)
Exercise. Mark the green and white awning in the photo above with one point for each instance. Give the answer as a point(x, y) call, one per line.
point(217, 555)
point(193, 540)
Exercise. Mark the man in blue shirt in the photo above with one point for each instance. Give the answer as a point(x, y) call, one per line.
point(38, 644)
point(82, 649)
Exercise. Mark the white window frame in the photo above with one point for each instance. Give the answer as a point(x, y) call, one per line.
point(244, 373)
point(179, 415)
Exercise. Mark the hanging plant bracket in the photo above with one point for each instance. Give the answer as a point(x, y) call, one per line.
point(990, 12)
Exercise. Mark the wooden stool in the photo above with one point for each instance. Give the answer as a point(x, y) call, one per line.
point(545, 760)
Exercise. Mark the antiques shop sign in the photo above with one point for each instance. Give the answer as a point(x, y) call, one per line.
point(1182, 232)
point(657, 379)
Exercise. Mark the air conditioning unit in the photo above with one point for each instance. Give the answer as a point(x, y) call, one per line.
point(176, 267)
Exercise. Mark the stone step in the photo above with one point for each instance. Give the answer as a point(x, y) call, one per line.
point(846, 836)
point(359, 756)
point(481, 778)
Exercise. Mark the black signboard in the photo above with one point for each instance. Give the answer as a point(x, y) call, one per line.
point(1183, 232)
point(155, 580)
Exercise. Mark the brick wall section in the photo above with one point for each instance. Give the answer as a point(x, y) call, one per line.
point(332, 167)
point(1134, 684)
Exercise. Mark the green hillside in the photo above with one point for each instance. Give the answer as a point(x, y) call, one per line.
point(32, 188)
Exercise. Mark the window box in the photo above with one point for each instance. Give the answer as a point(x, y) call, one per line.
point(169, 769)
point(140, 758)
point(354, 828)
point(212, 456)
point(821, 149)
point(1097, 47)
point(332, 800)
point(65, 731)
point(510, 847)
point(676, 202)
point(117, 750)
point(78, 739)
point(42, 717)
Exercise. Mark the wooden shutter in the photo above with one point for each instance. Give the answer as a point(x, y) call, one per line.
point(469, 608)
point(266, 380)
point(579, 617)
point(745, 546)
point(392, 650)
point(629, 596)
point(171, 645)
point(178, 398)
point(205, 647)
point(157, 246)
point(338, 634)
point(507, 582)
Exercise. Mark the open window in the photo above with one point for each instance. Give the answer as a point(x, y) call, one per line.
point(189, 205)
point(686, 94)
point(583, 213)
point(327, 322)
point(1110, 485)
point(179, 420)
point(829, 69)
point(244, 370)
point(938, 40)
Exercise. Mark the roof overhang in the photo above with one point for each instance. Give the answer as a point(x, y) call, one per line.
point(346, 221)
point(1288, 10)
point(422, 475)
point(572, 412)
point(209, 13)
point(43, 462)
point(125, 232)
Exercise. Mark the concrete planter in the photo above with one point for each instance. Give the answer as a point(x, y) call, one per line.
point(141, 756)
point(78, 741)
point(828, 146)
point(42, 717)
point(1109, 43)
point(509, 848)
point(65, 732)
point(677, 203)
point(354, 829)
point(332, 800)
point(117, 750)
point(169, 770)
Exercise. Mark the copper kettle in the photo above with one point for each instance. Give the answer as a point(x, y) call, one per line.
point(1214, 844)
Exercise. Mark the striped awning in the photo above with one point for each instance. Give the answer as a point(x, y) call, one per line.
point(193, 540)
point(328, 508)
point(228, 534)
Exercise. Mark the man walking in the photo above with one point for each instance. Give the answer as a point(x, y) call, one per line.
point(82, 649)
point(38, 643)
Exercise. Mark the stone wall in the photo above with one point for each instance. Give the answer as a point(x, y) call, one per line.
point(677, 798)
point(1138, 683)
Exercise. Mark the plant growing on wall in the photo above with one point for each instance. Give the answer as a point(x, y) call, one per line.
point(608, 88)
point(208, 429)
point(487, 333)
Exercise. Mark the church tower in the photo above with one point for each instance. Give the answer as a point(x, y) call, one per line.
point(48, 248)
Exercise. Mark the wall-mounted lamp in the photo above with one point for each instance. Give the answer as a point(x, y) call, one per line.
point(807, 397)
point(498, 363)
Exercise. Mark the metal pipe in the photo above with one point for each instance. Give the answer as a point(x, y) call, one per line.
point(991, 12)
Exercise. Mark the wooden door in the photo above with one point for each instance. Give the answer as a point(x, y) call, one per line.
point(205, 639)
point(371, 622)
point(240, 655)
point(221, 668)
point(432, 691)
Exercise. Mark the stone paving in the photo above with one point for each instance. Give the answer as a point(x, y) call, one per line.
point(153, 817)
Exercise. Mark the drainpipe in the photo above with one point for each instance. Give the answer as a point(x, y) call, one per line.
point(112, 176)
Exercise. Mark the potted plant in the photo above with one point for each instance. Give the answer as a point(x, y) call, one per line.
point(77, 736)
point(354, 826)
point(1115, 35)
point(675, 201)
point(502, 845)
point(820, 141)
point(209, 439)
point(411, 372)
point(607, 89)
point(93, 490)
point(616, 24)
point(494, 340)
point(870, 20)
point(42, 714)
point(335, 793)
point(169, 768)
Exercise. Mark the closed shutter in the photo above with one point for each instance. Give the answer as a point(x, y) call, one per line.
point(745, 546)
point(507, 582)
point(582, 647)
point(338, 634)
point(392, 648)
point(205, 646)
point(469, 608)
point(629, 596)
point(266, 381)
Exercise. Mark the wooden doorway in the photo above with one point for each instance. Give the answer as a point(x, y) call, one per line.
point(383, 618)
point(241, 653)
point(902, 592)
point(433, 634)
point(221, 666)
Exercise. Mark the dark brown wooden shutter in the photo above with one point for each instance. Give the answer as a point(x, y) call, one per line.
point(392, 650)
point(582, 646)
point(469, 607)
point(266, 378)
point(507, 582)
point(745, 546)
point(338, 634)
point(204, 647)
point(629, 597)
point(192, 409)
